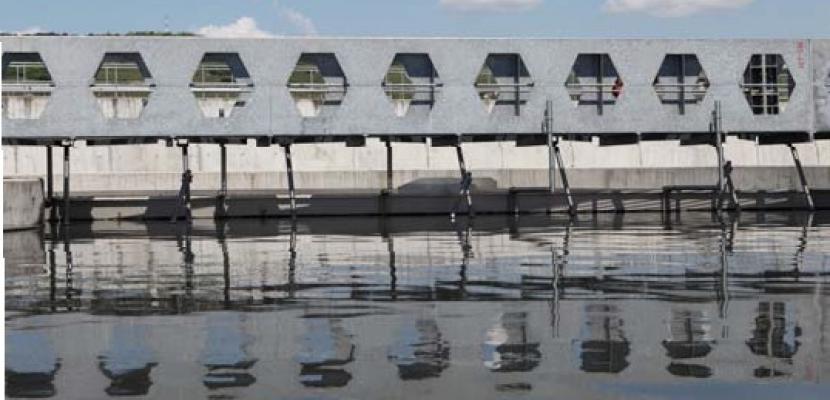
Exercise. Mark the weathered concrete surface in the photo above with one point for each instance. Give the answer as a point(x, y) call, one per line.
point(647, 165)
point(172, 109)
point(23, 203)
point(23, 252)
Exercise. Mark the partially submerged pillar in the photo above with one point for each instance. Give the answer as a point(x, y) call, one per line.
point(183, 198)
point(223, 171)
point(289, 169)
point(389, 176)
point(717, 124)
point(548, 130)
point(222, 196)
point(50, 184)
point(66, 190)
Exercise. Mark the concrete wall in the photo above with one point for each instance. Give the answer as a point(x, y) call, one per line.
point(22, 203)
point(646, 165)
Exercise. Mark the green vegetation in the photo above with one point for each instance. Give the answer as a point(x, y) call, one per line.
point(397, 75)
point(119, 73)
point(213, 72)
point(486, 77)
point(157, 33)
point(26, 72)
point(306, 74)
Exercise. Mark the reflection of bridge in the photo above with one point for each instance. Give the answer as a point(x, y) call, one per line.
point(593, 287)
point(444, 92)
point(762, 340)
point(393, 259)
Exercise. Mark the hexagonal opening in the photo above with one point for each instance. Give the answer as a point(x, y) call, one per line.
point(768, 84)
point(221, 84)
point(681, 82)
point(411, 82)
point(504, 84)
point(27, 85)
point(594, 81)
point(317, 84)
point(122, 85)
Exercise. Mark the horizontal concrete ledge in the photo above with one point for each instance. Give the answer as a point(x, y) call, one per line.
point(163, 205)
point(745, 178)
point(23, 202)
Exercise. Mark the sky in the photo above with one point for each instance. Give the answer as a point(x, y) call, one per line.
point(445, 18)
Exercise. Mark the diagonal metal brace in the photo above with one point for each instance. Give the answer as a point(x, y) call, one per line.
point(808, 195)
point(564, 176)
point(466, 183)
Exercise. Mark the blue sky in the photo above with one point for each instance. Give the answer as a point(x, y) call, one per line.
point(490, 18)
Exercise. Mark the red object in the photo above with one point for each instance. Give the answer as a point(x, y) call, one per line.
point(616, 90)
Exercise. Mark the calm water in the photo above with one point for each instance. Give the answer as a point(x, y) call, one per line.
point(624, 307)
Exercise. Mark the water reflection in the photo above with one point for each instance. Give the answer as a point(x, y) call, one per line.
point(327, 348)
point(128, 361)
point(689, 338)
point(775, 338)
point(31, 365)
point(362, 305)
point(419, 351)
point(225, 353)
point(508, 347)
point(603, 346)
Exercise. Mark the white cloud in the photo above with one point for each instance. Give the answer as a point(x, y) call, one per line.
point(300, 21)
point(244, 27)
point(491, 5)
point(671, 8)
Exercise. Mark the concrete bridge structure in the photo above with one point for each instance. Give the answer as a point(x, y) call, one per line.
point(615, 110)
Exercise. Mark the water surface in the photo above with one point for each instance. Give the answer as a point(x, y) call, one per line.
point(607, 306)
